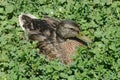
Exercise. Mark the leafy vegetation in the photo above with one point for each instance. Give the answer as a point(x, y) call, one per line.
point(98, 19)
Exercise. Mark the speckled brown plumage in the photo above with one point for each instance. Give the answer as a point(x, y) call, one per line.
point(57, 38)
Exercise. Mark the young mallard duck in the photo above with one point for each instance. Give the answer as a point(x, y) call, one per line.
point(57, 38)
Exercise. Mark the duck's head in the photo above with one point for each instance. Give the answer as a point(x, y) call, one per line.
point(68, 29)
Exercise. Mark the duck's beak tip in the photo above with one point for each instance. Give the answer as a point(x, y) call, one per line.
point(84, 38)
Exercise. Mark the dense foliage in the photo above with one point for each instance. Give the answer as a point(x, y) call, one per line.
point(98, 19)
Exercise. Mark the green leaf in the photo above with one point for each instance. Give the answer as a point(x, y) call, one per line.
point(96, 1)
point(63, 75)
point(9, 8)
point(71, 78)
point(98, 33)
point(112, 47)
point(1, 10)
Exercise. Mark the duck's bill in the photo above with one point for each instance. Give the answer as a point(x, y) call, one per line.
point(84, 38)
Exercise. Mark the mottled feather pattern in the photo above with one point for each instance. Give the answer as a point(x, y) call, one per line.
point(56, 38)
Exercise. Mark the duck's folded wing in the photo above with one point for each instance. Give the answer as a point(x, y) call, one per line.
point(51, 21)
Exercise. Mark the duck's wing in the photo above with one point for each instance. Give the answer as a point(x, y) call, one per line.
point(51, 21)
point(33, 25)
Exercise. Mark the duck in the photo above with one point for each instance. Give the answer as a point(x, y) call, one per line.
point(57, 39)
point(67, 29)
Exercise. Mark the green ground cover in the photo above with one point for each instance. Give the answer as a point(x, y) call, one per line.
point(98, 19)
